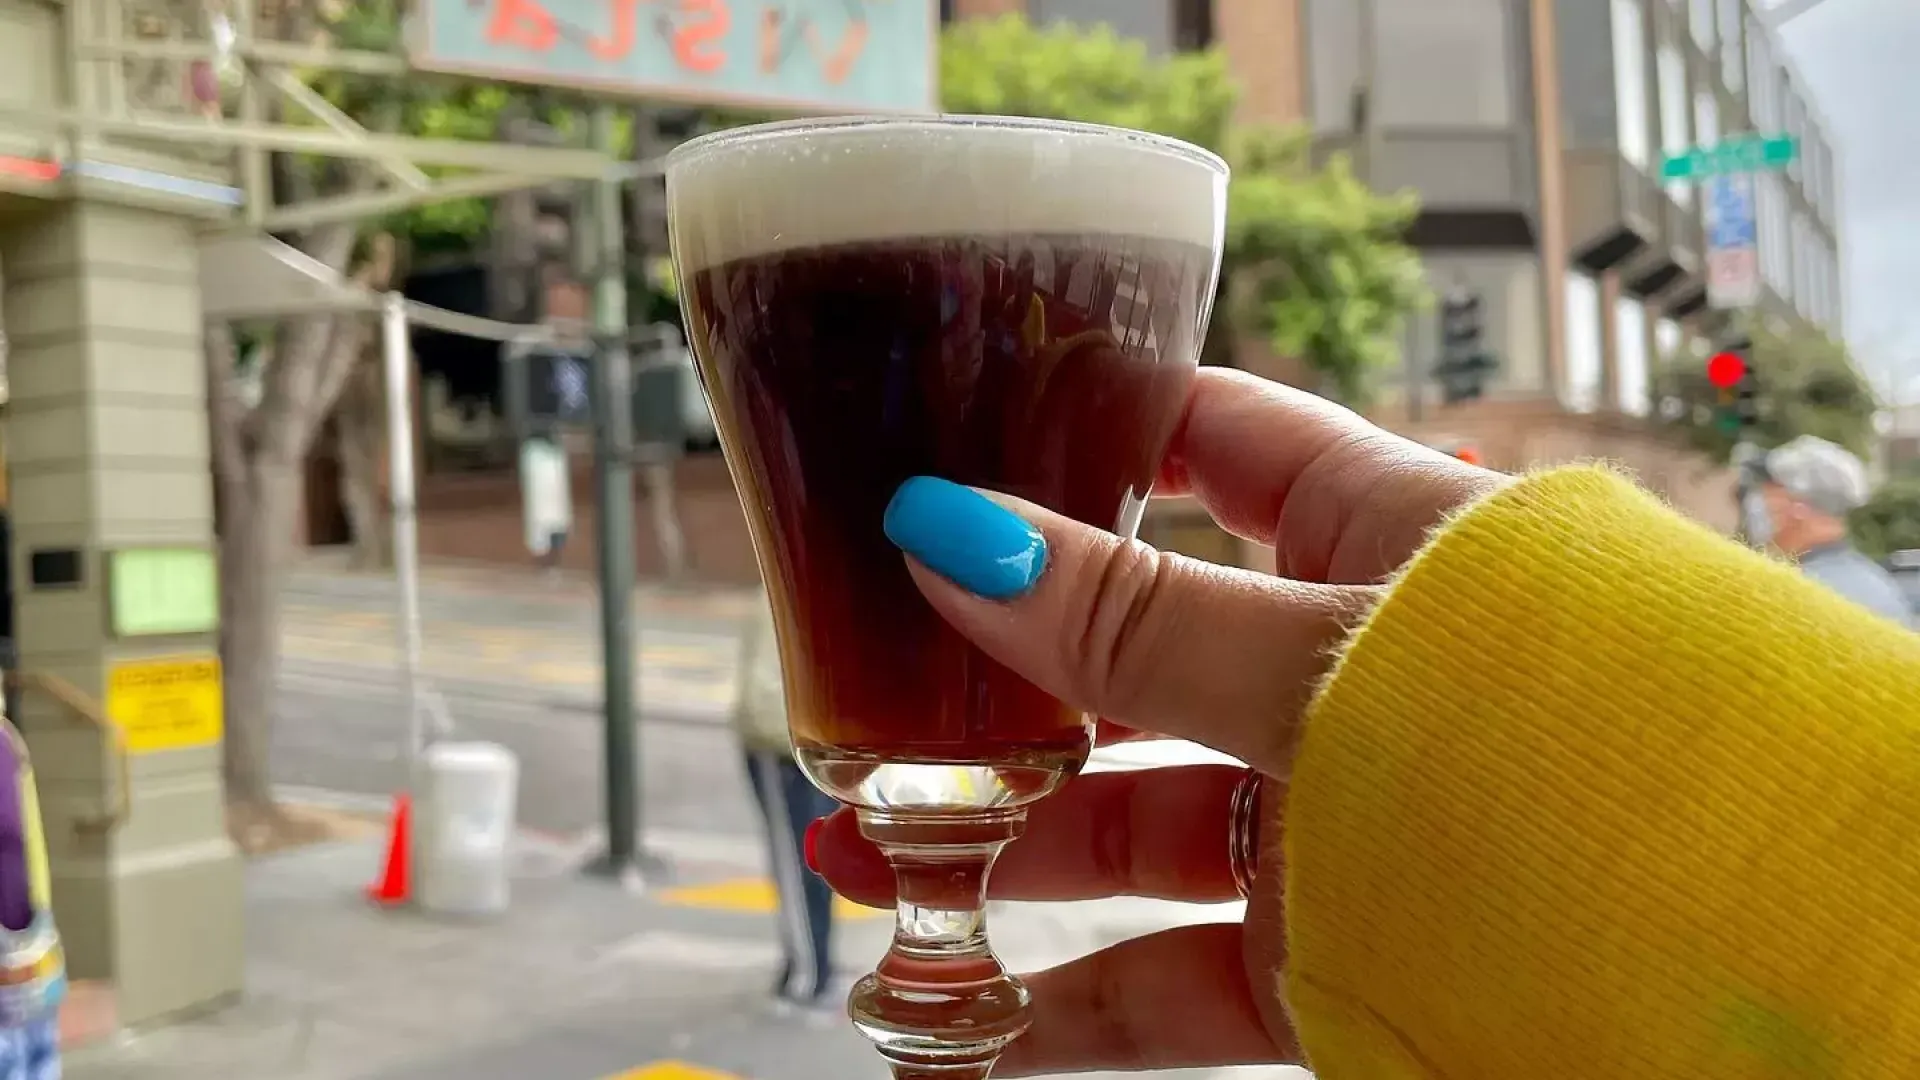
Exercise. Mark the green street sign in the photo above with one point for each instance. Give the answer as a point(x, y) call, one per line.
point(1740, 154)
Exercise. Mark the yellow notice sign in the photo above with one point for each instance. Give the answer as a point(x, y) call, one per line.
point(166, 703)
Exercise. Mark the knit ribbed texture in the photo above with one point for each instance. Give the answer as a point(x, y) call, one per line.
point(1596, 793)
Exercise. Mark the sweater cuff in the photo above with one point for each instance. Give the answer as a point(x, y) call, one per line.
point(1531, 827)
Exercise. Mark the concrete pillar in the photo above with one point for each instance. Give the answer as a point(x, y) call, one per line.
point(108, 453)
point(1551, 222)
point(1610, 343)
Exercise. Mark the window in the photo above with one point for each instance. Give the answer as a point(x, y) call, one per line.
point(1584, 344)
point(1192, 24)
point(1333, 62)
point(1151, 24)
point(1762, 80)
point(1795, 116)
point(946, 12)
point(1633, 374)
point(1821, 169)
point(1668, 339)
point(1810, 148)
point(1776, 236)
point(1821, 310)
point(1443, 62)
point(1675, 129)
point(1702, 21)
point(1803, 255)
point(1706, 117)
point(1769, 201)
point(1732, 16)
point(1630, 81)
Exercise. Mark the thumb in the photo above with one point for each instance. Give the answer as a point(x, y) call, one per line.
point(1221, 656)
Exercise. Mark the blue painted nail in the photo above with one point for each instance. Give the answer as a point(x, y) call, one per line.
point(966, 537)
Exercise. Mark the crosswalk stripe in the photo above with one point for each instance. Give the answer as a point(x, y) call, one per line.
point(671, 1070)
point(755, 895)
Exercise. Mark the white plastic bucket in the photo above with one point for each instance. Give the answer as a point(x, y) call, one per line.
point(465, 815)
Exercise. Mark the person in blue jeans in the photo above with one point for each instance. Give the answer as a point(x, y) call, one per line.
point(789, 805)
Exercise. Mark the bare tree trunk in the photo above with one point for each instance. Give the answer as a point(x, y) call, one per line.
point(258, 453)
point(361, 438)
point(261, 505)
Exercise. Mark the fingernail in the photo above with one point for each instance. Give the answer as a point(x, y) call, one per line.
point(810, 845)
point(966, 537)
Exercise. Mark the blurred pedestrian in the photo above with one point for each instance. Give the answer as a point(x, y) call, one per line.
point(546, 499)
point(1807, 488)
point(789, 805)
point(9, 651)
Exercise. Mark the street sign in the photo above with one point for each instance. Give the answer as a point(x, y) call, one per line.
point(1739, 154)
point(818, 56)
point(166, 703)
point(1733, 247)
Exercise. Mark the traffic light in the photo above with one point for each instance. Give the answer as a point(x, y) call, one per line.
point(1736, 392)
point(1464, 364)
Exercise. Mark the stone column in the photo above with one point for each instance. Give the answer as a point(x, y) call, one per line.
point(108, 451)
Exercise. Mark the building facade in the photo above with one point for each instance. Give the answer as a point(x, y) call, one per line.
point(1533, 132)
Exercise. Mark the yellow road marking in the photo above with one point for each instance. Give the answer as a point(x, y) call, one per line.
point(671, 1070)
point(754, 895)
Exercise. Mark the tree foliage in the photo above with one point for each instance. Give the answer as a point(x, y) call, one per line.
point(1806, 383)
point(1314, 262)
point(1890, 521)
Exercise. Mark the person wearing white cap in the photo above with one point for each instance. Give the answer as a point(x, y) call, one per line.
point(1808, 487)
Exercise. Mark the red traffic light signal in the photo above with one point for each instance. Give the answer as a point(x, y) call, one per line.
point(1726, 370)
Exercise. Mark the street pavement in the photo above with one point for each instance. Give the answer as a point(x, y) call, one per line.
point(583, 981)
point(513, 658)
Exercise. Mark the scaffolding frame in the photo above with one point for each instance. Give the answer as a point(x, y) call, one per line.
point(99, 109)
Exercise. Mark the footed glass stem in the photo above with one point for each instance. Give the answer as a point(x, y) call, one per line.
point(941, 1006)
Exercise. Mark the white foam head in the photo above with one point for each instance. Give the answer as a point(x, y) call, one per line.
point(776, 187)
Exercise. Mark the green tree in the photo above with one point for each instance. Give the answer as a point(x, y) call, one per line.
point(1890, 521)
point(1805, 382)
point(1314, 261)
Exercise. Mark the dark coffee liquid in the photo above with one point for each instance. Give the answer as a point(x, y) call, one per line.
point(1049, 367)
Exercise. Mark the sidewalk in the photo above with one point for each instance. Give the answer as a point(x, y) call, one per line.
point(580, 982)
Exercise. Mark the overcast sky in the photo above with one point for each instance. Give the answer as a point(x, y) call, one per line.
point(1861, 60)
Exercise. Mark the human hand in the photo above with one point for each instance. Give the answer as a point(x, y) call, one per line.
point(1169, 645)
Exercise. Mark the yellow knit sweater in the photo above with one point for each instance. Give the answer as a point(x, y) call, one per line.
point(1596, 793)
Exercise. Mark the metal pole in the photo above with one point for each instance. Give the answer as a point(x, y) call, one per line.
point(613, 473)
point(406, 545)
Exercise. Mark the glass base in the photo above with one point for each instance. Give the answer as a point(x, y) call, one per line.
point(941, 1006)
point(930, 788)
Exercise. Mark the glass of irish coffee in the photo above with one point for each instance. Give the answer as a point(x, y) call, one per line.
point(1013, 304)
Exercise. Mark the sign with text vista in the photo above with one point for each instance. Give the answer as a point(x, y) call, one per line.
point(800, 55)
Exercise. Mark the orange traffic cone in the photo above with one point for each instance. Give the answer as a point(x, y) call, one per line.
point(396, 881)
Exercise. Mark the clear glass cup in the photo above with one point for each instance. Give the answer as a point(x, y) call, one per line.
point(1013, 304)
